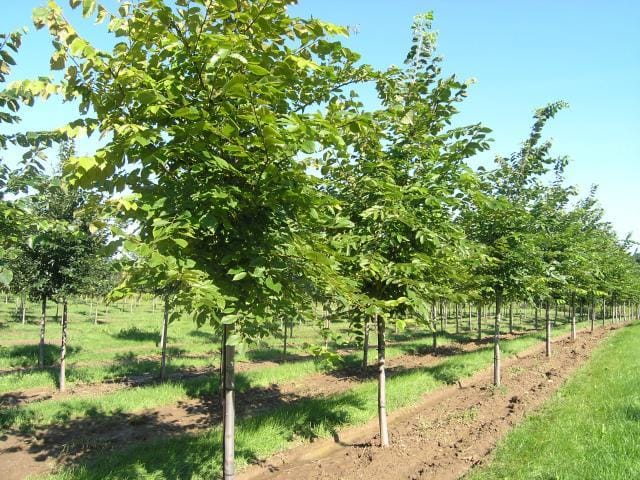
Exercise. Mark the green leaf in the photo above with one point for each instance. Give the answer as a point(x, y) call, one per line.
point(276, 287)
point(88, 7)
point(190, 113)
point(39, 16)
point(5, 276)
point(239, 276)
point(229, 4)
point(236, 87)
point(257, 69)
point(181, 242)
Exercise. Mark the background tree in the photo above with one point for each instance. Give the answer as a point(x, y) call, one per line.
point(399, 183)
point(502, 221)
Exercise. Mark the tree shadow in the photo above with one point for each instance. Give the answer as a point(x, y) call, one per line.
point(24, 358)
point(210, 336)
point(633, 412)
point(272, 354)
point(121, 445)
point(137, 335)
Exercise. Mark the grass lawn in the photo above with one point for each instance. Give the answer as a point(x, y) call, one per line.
point(591, 428)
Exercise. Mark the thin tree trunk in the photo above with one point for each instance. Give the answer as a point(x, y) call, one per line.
point(434, 334)
point(548, 330)
point(284, 346)
point(63, 346)
point(457, 318)
point(535, 316)
point(573, 318)
point(165, 327)
point(479, 316)
point(510, 317)
point(95, 317)
point(327, 325)
point(23, 309)
point(604, 310)
point(469, 319)
point(382, 395)
point(43, 321)
point(592, 312)
point(228, 408)
point(365, 346)
point(496, 340)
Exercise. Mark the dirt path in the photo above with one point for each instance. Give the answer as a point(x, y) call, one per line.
point(447, 433)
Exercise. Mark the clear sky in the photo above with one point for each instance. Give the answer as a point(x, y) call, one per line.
point(523, 54)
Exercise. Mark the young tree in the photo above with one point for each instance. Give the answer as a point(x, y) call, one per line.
point(208, 108)
point(502, 221)
point(399, 184)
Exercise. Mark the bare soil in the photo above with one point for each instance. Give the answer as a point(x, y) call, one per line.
point(451, 430)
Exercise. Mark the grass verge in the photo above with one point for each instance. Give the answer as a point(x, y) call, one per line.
point(589, 430)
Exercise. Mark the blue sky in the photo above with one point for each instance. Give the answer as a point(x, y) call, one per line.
point(523, 54)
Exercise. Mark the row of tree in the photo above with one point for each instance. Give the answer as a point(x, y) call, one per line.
point(241, 178)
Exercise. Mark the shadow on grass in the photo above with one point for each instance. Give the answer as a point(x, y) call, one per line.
point(118, 445)
point(135, 334)
point(210, 336)
point(272, 354)
point(26, 356)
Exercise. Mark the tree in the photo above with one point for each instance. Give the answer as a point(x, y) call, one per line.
point(399, 184)
point(208, 108)
point(502, 221)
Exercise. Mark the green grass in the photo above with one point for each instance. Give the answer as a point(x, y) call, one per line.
point(589, 430)
point(198, 456)
point(54, 411)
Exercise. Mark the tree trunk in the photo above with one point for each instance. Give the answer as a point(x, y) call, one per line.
point(573, 318)
point(63, 346)
point(23, 309)
point(510, 317)
point(469, 319)
point(95, 317)
point(327, 325)
point(457, 318)
point(547, 319)
point(434, 334)
point(165, 327)
point(535, 316)
point(228, 408)
point(496, 340)
point(43, 321)
point(592, 313)
point(284, 343)
point(365, 346)
point(479, 316)
point(382, 396)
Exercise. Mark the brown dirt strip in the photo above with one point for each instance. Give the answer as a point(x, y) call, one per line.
point(449, 432)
